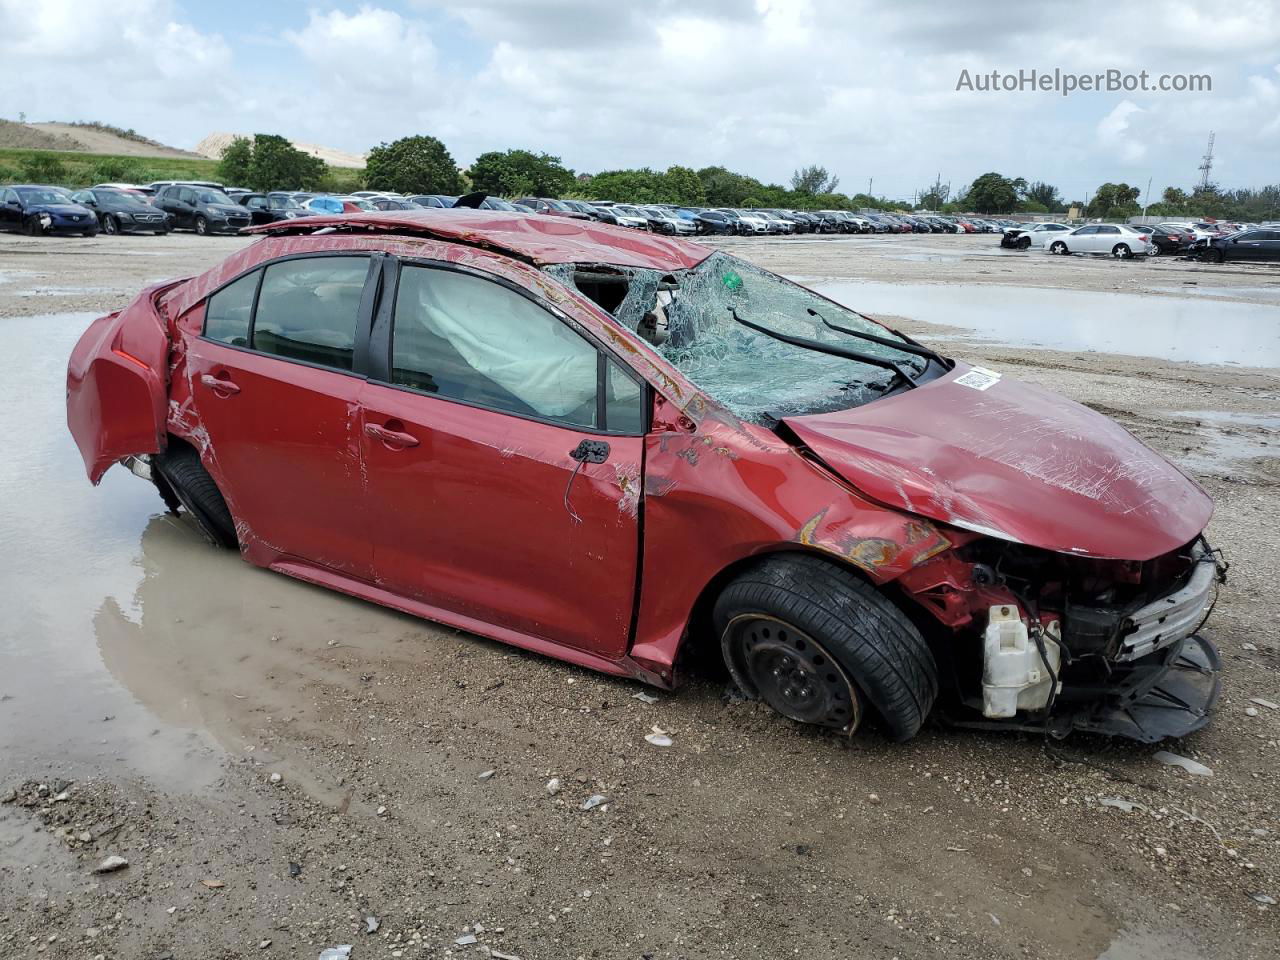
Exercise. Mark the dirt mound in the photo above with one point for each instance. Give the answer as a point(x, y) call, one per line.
point(213, 145)
point(28, 137)
point(104, 138)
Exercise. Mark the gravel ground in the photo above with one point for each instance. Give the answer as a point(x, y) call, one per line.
point(285, 769)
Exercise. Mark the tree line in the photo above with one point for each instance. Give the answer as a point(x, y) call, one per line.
point(422, 164)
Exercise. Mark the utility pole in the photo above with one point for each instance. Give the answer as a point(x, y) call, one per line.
point(1147, 202)
point(870, 181)
point(1206, 164)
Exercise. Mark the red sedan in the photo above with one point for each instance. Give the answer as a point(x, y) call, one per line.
point(620, 449)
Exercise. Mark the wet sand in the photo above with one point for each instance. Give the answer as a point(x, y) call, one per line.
point(161, 683)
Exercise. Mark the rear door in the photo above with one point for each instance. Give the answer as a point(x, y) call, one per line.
point(504, 454)
point(276, 380)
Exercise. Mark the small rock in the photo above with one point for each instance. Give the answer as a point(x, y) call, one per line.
point(213, 884)
point(487, 775)
point(84, 836)
point(371, 924)
point(263, 944)
point(553, 786)
point(111, 864)
point(873, 798)
point(1250, 711)
point(295, 869)
point(658, 739)
point(1264, 898)
point(382, 811)
point(274, 778)
point(466, 940)
point(593, 801)
point(1249, 646)
point(171, 911)
point(1161, 852)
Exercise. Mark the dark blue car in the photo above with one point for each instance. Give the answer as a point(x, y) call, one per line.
point(36, 210)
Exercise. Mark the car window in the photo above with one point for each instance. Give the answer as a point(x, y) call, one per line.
point(256, 203)
point(1108, 229)
point(475, 340)
point(307, 309)
point(230, 310)
point(186, 195)
point(8, 196)
point(1086, 230)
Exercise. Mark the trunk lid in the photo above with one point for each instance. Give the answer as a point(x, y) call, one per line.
point(1013, 461)
point(117, 385)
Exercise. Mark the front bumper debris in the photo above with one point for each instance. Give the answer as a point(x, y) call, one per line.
point(1169, 693)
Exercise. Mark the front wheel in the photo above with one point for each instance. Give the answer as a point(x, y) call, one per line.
point(1024, 243)
point(195, 489)
point(1058, 247)
point(1121, 251)
point(110, 225)
point(1153, 250)
point(202, 227)
point(818, 644)
point(31, 227)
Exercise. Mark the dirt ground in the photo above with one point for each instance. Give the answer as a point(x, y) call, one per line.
point(287, 770)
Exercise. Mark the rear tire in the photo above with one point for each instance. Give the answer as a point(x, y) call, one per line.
point(202, 227)
point(180, 465)
point(1058, 247)
point(1121, 251)
point(773, 616)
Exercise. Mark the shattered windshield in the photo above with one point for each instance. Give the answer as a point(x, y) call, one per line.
point(686, 317)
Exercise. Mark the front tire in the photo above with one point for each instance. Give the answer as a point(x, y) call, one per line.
point(110, 225)
point(1058, 247)
point(202, 227)
point(31, 227)
point(195, 489)
point(816, 642)
point(1024, 243)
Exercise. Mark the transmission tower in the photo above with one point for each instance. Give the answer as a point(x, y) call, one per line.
point(1206, 164)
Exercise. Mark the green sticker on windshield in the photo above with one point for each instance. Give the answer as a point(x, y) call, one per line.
point(732, 280)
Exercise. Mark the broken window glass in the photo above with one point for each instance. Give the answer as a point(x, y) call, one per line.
point(687, 319)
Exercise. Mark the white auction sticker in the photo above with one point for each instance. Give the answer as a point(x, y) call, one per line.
point(979, 378)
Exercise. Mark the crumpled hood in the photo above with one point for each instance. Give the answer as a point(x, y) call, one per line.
point(1014, 462)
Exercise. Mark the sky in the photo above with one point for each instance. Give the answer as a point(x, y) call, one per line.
point(866, 88)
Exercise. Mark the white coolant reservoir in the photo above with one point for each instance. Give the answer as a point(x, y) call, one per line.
point(1013, 674)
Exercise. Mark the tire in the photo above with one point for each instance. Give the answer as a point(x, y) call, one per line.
point(1153, 250)
point(91, 233)
point(31, 227)
point(180, 465)
point(881, 656)
point(1024, 243)
point(202, 227)
point(1058, 247)
point(110, 225)
point(1121, 251)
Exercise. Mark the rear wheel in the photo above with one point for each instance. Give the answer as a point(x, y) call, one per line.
point(1121, 251)
point(818, 645)
point(1058, 247)
point(202, 226)
point(181, 468)
point(1153, 250)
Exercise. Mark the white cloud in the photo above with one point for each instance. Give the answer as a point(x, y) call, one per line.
point(864, 87)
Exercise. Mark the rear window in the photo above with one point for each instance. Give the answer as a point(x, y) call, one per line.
point(230, 310)
point(307, 309)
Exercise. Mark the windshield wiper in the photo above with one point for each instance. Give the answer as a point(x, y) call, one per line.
point(910, 347)
point(829, 348)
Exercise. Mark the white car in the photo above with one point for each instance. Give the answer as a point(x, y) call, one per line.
point(1113, 238)
point(670, 223)
point(1032, 235)
point(629, 216)
point(753, 221)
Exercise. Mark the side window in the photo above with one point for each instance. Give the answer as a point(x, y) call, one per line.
point(187, 195)
point(230, 309)
point(307, 309)
point(1085, 231)
point(1108, 229)
point(475, 340)
point(8, 196)
point(257, 203)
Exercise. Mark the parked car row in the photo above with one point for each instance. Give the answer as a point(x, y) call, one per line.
point(1222, 243)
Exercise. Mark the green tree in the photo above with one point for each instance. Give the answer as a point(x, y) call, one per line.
point(814, 179)
point(1114, 200)
point(519, 173)
point(724, 188)
point(992, 193)
point(685, 186)
point(418, 164)
point(277, 164)
point(233, 168)
point(1174, 196)
point(1044, 194)
point(631, 186)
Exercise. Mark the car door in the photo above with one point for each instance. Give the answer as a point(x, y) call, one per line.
point(10, 210)
point(1245, 246)
point(276, 379)
point(504, 454)
point(1269, 246)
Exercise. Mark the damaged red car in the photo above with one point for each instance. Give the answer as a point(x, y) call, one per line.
point(622, 449)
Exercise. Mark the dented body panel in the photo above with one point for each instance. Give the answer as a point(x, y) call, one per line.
point(1016, 462)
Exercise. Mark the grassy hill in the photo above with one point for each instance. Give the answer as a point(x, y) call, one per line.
point(78, 169)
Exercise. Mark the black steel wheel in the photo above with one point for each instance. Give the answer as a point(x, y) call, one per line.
point(818, 643)
point(791, 672)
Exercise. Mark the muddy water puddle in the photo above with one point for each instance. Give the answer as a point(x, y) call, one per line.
point(1196, 331)
point(129, 646)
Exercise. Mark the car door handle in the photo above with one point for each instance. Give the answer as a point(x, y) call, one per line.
point(396, 439)
point(223, 388)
